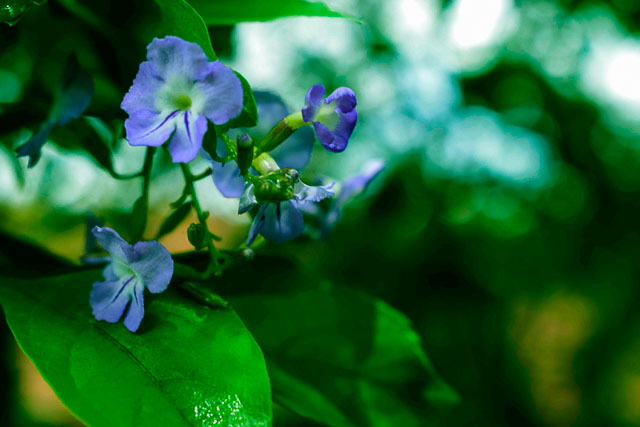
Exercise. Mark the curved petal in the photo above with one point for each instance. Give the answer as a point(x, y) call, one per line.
point(111, 241)
point(312, 102)
point(136, 309)
point(143, 91)
point(271, 109)
point(144, 127)
point(325, 137)
point(282, 222)
point(219, 94)
point(172, 56)
point(228, 180)
point(345, 99)
point(153, 265)
point(109, 299)
point(344, 128)
point(247, 199)
point(256, 225)
point(308, 193)
point(186, 141)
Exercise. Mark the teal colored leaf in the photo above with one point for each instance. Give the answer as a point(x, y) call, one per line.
point(188, 364)
point(343, 358)
point(178, 18)
point(248, 117)
point(228, 12)
point(174, 219)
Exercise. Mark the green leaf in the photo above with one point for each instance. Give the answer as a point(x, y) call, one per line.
point(178, 18)
point(175, 218)
point(11, 11)
point(228, 12)
point(188, 364)
point(248, 117)
point(88, 134)
point(343, 358)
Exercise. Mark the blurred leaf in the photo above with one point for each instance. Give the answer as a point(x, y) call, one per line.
point(187, 365)
point(174, 219)
point(11, 11)
point(73, 97)
point(228, 12)
point(179, 19)
point(248, 117)
point(343, 358)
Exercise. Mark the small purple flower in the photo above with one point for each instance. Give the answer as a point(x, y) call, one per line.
point(282, 221)
point(176, 90)
point(333, 117)
point(295, 153)
point(132, 268)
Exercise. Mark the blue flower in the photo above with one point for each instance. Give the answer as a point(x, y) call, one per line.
point(281, 221)
point(333, 117)
point(295, 153)
point(176, 90)
point(132, 268)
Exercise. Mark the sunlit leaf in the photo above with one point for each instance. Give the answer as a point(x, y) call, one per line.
point(188, 364)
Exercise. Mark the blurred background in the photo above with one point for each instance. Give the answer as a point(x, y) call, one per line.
point(505, 224)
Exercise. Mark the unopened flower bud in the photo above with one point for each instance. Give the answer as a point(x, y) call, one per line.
point(244, 154)
point(196, 235)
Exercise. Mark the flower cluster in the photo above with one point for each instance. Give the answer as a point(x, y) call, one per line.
point(176, 92)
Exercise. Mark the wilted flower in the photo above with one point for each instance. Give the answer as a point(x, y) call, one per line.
point(279, 221)
point(333, 117)
point(176, 90)
point(132, 268)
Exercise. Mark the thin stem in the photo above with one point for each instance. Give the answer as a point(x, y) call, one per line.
point(203, 175)
point(214, 267)
point(146, 170)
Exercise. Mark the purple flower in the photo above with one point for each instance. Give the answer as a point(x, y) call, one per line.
point(295, 153)
point(132, 268)
point(333, 117)
point(281, 221)
point(176, 90)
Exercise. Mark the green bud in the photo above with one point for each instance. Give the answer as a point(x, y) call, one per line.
point(277, 186)
point(244, 154)
point(196, 235)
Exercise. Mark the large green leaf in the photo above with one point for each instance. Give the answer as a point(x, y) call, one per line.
point(188, 364)
point(343, 358)
point(227, 12)
point(178, 18)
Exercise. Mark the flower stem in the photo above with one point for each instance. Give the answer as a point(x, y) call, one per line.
point(214, 266)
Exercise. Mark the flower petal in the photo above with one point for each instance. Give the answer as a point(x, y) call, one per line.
point(325, 136)
point(219, 94)
point(282, 222)
point(143, 92)
point(109, 299)
point(226, 178)
point(172, 56)
point(343, 130)
point(113, 243)
point(256, 225)
point(136, 309)
point(344, 98)
point(312, 102)
point(186, 141)
point(358, 183)
point(153, 265)
point(307, 193)
point(144, 127)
